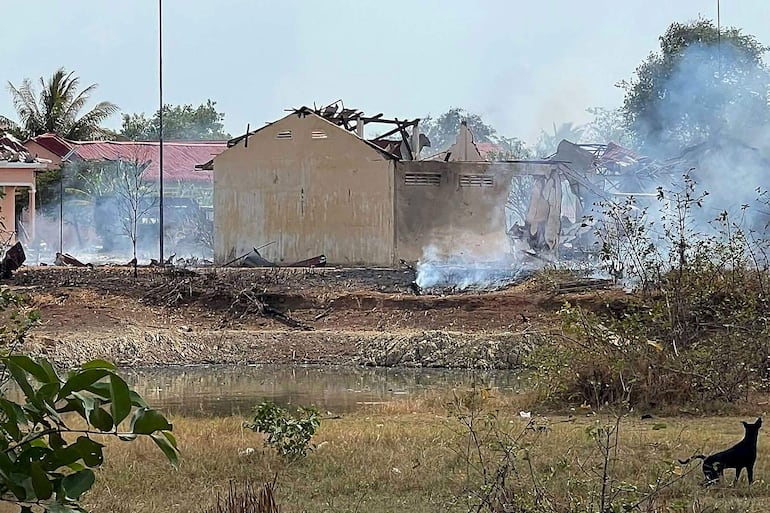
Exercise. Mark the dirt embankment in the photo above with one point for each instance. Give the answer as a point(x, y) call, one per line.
point(339, 316)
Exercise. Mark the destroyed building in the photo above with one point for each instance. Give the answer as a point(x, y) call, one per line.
point(312, 184)
point(17, 176)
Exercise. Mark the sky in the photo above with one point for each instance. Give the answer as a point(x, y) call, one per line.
point(521, 65)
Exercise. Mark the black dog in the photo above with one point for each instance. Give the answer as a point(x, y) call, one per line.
point(739, 456)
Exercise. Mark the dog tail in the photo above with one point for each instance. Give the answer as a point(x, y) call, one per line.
point(688, 460)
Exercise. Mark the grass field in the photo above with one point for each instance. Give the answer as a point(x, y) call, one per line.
point(416, 456)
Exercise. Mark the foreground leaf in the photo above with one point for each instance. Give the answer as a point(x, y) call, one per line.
point(78, 483)
point(147, 421)
point(167, 444)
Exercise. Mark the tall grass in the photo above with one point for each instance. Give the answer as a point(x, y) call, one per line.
point(414, 458)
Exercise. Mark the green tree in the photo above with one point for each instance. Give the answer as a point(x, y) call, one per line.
point(57, 109)
point(607, 125)
point(183, 122)
point(510, 148)
point(443, 130)
point(700, 84)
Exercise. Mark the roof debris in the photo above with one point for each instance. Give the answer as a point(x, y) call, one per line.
point(11, 150)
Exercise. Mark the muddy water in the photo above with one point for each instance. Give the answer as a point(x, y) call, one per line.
point(234, 390)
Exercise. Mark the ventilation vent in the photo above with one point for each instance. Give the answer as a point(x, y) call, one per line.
point(477, 181)
point(318, 134)
point(286, 134)
point(432, 179)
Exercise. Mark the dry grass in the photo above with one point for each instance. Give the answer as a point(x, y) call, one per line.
point(407, 456)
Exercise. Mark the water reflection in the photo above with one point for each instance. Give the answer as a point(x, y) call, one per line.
point(234, 390)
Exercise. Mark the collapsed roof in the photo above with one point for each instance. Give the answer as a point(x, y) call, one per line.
point(11, 150)
point(398, 141)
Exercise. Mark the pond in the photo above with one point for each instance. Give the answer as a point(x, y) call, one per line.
point(235, 390)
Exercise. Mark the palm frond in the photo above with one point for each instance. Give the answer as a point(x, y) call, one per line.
point(69, 87)
point(9, 125)
point(88, 125)
point(57, 107)
point(25, 103)
point(76, 104)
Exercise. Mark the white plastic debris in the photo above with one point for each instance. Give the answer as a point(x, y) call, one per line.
point(246, 452)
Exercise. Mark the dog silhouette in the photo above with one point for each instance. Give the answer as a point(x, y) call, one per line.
point(739, 456)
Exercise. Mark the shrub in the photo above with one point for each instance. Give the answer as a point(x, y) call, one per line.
point(516, 466)
point(698, 330)
point(288, 434)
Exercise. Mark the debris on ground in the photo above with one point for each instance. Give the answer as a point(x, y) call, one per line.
point(12, 260)
point(65, 259)
point(178, 316)
point(255, 259)
point(583, 285)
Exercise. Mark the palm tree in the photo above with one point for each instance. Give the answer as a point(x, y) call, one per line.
point(547, 143)
point(57, 109)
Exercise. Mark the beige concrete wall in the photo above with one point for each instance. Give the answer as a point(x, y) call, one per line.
point(461, 214)
point(15, 177)
point(313, 195)
point(7, 213)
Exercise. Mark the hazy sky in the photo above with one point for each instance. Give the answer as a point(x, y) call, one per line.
point(522, 65)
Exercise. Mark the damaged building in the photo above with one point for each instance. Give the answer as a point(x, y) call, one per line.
point(311, 183)
point(17, 179)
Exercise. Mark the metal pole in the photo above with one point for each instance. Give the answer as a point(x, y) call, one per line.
point(61, 209)
point(160, 131)
point(719, 25)
point(719, 42)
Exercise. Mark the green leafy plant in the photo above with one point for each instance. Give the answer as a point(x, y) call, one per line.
point(49, 441)
point(49, 436)
point(288, 434)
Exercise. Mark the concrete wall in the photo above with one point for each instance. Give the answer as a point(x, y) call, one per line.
point(11, 179)
point(7, 214)
point(456, 207)
point(321, 191)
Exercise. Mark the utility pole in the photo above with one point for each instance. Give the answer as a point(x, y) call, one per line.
point(719, 25)
point(160, 131)
point(719, 41)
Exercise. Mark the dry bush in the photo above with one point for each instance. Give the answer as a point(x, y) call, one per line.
point(248, 500)
point(696, 331)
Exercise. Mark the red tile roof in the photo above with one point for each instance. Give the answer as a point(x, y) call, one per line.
point(179, 157)
point(53, 143)
point(488, 147)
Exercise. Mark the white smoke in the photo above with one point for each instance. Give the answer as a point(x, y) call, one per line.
point(715, 119)
point(92, 225)
point(712, 124)
point(466, 270)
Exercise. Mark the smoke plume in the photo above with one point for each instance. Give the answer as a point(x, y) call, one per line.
point(710, 120)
